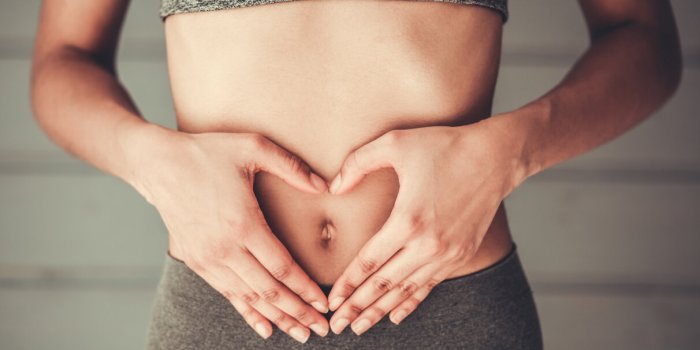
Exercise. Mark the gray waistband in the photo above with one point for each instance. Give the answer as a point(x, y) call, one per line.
point(489, 309)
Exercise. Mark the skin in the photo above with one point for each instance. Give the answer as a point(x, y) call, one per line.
point(234, 229)
point(603, 95)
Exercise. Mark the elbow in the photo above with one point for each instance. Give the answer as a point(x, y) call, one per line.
point(46, 89)
point(46, 84)
point(666, 61)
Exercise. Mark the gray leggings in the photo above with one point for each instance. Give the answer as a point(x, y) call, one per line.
point(489, 309)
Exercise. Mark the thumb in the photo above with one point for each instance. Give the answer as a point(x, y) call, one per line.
point(287, 166)
point(372, 156)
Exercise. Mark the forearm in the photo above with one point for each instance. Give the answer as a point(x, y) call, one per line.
point(625, 75)
point(84, 109)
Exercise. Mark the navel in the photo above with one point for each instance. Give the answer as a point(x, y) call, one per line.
point(327, 233)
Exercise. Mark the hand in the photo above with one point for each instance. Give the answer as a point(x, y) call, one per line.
point(452, 180)
point(202, 186)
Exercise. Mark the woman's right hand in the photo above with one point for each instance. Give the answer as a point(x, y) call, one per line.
point(202, 186)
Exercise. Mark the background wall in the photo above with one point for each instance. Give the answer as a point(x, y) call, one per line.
point(609, 240)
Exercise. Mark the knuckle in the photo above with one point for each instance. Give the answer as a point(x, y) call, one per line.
point(462, 251)
point(217, 252)
point(247, 171)
point(415, 221)
point(382, 284)
point(229, 295)
point(271, 295)
point(454, 253)
point(392, 136)
point(469, 249)
point(251, 298)
point(412, 303)
point(279, 319)
point(431, 283)
point(256, 141)
point(355, 309)
point(353, 161)
point(281, 272)
point(303, 294)
point(236, 224)
point(348, 288)
point(302, 316)
point(407, 288)
point(249, 313)
point(434, 247)
point(367, 265)
point(376, 312)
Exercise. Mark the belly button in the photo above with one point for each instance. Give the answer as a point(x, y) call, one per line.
point(327, 233)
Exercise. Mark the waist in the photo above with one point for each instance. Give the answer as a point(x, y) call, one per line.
point(323, 78)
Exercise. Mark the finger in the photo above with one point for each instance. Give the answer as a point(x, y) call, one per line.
point(400, 266)
point(372, 156)
point(233, 288)
point(426, 279)
point(275, 257)
point(389, 301)
point(377, 251)
point(284, 322)
point(287, 166)
point(226, 282)
point(272, 291)
point(252, 317)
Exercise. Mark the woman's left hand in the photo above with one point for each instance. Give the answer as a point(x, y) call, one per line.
point(452, 180)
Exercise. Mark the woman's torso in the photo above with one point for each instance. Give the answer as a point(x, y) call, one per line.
point(321, 78)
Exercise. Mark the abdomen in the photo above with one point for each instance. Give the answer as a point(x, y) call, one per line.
point(321, 78)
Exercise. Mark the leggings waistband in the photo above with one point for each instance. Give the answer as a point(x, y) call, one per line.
point(492, 308)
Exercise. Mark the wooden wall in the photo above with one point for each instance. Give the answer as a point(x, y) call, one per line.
point(609, 239)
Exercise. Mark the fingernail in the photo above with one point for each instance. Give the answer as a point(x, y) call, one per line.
point(319, 306)
point(318, 329)
point(299, 334)
point(398, 317)
point(318, 182)
point(335, 303)
point(361, 326)
point(262, 330)
point(336, 183)
point(339, 325)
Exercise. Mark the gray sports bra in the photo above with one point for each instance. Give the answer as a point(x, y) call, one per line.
point(171, 7)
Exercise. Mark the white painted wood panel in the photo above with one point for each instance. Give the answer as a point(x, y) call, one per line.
point(584, 322)
point(67, 220)
point(32, 319)
point(613, 231)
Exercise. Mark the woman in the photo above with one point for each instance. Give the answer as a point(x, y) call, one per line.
point(389, 102)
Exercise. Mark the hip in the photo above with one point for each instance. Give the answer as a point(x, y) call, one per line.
point(492, 308)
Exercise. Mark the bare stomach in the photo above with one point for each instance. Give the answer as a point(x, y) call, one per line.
point(321, 78)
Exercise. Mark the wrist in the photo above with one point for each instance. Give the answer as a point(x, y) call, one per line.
point(141, 143)
point(523, 130)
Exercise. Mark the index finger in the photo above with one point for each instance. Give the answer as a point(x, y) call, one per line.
point(275, 257)
point(375, 253)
